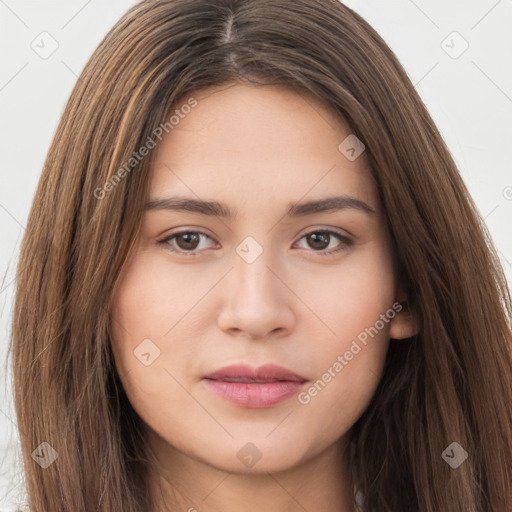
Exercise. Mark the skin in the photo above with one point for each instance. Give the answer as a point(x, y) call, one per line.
point(256, 149)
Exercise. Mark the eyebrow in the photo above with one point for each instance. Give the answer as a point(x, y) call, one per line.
point(214, 208)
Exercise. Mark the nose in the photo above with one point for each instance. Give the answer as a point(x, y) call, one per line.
point(256, 302)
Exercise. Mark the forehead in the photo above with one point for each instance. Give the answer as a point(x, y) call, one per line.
point(257, 144)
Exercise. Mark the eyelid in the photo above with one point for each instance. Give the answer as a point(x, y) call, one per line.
point(337, 231)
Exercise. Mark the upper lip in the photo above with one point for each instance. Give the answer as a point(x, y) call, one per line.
point(265, 373)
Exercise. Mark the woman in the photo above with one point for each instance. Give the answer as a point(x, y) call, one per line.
point(255, 369)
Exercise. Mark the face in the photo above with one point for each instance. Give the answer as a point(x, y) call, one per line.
point(277, 282)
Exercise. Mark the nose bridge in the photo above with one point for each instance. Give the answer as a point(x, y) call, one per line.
point(252, 274)
point(254, 298)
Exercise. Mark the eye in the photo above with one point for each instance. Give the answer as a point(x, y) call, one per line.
point(188, 242)
point(321, 239)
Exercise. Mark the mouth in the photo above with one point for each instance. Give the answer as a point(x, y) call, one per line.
point(258, 388)
point(246, 380)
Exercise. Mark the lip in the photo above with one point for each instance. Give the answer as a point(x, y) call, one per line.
point(255, 388)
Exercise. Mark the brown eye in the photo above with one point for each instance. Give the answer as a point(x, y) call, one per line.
point(319, 240)
point(184, 242)
point(190, 241)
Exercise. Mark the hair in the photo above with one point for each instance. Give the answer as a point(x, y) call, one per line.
point(452, 382)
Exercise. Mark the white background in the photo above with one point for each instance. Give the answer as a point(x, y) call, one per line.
point(469, 97)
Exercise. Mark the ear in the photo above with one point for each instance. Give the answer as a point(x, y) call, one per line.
point(404, 324)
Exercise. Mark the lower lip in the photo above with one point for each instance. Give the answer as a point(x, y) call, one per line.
point(256, 395)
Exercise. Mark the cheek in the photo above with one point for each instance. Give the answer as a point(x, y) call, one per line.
point(355, 294)
point(149, 309)
point(144, 308)
point(146, 300)
point(139, 318)
point(358, 313)
point(151, 304)
point(348, 371)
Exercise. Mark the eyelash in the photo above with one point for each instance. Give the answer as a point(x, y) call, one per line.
point(346, 242)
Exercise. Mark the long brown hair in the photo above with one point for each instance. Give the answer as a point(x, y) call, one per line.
point(452, 382)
